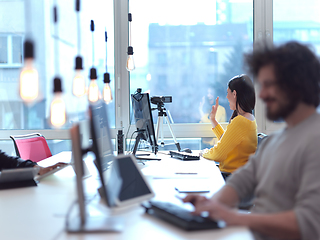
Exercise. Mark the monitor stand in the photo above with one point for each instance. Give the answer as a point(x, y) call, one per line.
point(84, 222)
point(139, 137)
point(95, 224)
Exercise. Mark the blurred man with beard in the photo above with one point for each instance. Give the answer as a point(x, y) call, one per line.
point(284, 174)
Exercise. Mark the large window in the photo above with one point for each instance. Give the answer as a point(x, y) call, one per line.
point(185, 49)
point(299, 21)
point(10, 50)
point(34, 19)
point(189, 51)
point(296, 20)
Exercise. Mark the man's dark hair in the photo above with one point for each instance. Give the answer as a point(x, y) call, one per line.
point(297, 69)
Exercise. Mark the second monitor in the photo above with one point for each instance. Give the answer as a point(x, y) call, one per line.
point(144, 122)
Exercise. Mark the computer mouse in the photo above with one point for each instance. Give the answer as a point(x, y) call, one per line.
point(187, 150)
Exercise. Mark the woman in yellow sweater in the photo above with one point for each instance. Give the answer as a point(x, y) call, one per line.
point(239, 140)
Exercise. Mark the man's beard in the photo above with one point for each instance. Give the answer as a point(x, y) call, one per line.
point(284, 110)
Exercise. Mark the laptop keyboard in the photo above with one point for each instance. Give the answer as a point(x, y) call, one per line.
point(179, 216)
point(184, 156)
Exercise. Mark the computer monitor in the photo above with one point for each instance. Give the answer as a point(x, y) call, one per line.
point(103, 149)
point(78, 168)
point(86, 223)
point(143, 119)
point(84, 138)
point(128, 185)
point(122, 182)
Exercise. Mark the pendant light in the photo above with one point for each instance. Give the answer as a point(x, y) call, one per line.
point(107, 94)
point(130, 61)
point(79, 83)
point(57, 107)
point(29, 77)
point(93, 92)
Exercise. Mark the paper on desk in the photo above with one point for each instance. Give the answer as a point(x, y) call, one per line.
point(193, 185)
point(176, 171)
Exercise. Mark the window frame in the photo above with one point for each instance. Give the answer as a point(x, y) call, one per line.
point(10, 63)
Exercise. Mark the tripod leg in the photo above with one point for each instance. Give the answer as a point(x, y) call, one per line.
point(174, 138)
point(161, 128)
point(158, 128)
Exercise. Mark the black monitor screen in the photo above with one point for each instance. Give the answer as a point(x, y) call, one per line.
point(143, 119)
point(133, 185)
point(103, 149)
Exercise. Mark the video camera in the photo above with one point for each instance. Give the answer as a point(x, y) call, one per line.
point(161, 99)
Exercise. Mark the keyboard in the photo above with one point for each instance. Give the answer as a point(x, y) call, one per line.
point(179, 216)
point(184, 156)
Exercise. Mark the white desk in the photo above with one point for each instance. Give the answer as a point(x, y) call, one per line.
point(39, 212)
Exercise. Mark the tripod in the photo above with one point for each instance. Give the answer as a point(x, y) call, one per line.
point(162, 112)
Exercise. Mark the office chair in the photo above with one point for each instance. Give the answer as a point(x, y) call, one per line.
point(31, 146)
point(261, 136)
point(247, 203)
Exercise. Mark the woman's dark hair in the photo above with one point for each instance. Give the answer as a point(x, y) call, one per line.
point(246, 97)
point(296, 68)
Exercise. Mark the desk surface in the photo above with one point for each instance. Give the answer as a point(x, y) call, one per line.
point(40, 212)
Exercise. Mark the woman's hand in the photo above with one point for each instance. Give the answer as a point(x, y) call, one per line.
point(213, 113)
point(203, 151)
point(44, 170)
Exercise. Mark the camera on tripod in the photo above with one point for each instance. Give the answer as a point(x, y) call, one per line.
point(161, 99)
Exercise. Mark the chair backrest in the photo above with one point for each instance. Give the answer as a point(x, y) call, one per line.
point(31, 146)
point(261, 136)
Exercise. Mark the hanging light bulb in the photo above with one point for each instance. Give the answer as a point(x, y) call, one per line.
point(57, 107)
point(93, 92)
point(107, 94)
point(130, 62)
point(29, 77)
point(79, 83)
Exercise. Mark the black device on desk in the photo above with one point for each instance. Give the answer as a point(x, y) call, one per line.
point(179, 216)
point(18, 177)
point(185, 156)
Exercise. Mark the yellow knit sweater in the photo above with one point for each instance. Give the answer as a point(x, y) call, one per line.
point(235, 145)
